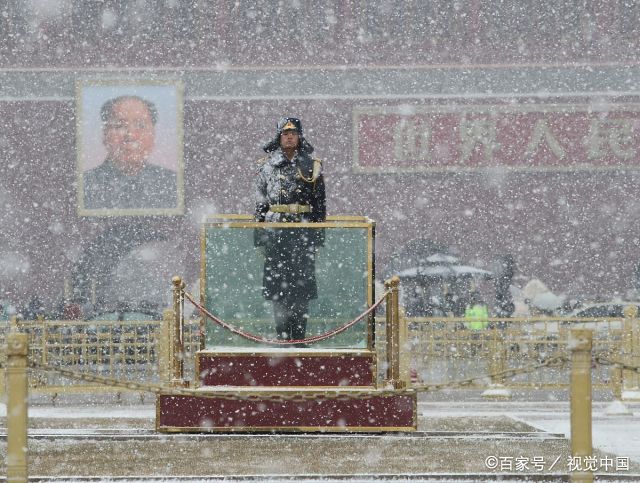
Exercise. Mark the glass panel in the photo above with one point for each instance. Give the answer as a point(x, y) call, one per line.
point(247, 265)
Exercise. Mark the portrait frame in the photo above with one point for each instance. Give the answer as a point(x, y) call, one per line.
point(165, 161)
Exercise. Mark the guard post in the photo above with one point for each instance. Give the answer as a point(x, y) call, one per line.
point(580, 342)
point(17, 351)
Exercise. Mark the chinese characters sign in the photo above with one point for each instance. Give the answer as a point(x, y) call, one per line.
point(517, 137)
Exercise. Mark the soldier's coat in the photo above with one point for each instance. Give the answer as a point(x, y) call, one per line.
point(289, 270)
point(284, 182)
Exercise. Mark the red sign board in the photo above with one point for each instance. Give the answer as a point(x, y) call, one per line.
point(518, 137)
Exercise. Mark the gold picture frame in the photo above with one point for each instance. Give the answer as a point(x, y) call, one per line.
point(119, 172)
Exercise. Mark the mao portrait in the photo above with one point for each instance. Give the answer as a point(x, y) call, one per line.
point(129, 149)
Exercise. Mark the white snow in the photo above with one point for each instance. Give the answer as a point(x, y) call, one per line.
point(618, 434)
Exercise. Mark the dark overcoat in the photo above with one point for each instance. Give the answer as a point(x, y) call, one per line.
point(289, 268)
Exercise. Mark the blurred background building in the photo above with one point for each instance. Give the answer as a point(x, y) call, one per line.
point(494, 128)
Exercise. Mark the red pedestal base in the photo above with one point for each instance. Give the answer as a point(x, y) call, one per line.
point(372, 413)
point(286, 390)
point(278, 368)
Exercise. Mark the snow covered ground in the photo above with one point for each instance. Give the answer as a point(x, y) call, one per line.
point(614, 433)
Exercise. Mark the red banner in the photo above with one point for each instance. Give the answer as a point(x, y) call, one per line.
point(519, 137)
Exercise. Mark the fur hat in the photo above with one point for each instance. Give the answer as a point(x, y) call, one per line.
point(289, 124)
point(286, 124)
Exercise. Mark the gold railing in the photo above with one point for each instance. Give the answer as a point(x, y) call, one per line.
point(136, 351)
point(17, 362)
point(443, 349)
point(440, 349)
point(435, 350)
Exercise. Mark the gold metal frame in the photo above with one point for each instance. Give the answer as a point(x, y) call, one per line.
point(342, 221)
point(217, 217)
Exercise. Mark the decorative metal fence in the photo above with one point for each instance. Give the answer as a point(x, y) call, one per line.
point(445, 349)
point(134, 351)
point(434, 350)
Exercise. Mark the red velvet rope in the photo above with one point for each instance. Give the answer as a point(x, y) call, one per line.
point(258, 338)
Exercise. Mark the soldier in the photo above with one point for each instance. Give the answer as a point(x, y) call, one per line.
point(290, 188)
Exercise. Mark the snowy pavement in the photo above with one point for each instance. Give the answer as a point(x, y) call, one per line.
point(613, 433)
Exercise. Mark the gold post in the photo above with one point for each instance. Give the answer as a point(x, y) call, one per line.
point(630, 356)
point(400, 379)
point(17, 350)
point(395, 322)
point(581, 445)
point(404, 356)
point(164, 344)
point(494, 360)
point(616, 381)
point(389, 330)
point(497, 364)
point(498, 357)
point(631, 312)
point(177, 361)
point(393, 333)
point(3, 389)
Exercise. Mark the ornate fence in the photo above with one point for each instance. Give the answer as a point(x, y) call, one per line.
point(136, 351)
point(434, 350)
point(446, 349)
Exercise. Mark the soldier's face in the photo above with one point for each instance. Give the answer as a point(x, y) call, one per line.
point(289, 139)
point(129, 134)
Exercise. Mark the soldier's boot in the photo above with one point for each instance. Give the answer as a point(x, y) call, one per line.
point(282, 332)
point(299, 328)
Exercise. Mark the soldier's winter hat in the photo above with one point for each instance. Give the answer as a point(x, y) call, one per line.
point(287, 124)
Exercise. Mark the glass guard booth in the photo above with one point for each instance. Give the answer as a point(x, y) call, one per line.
point(236, 266)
